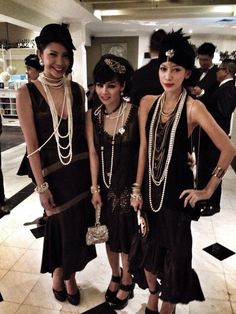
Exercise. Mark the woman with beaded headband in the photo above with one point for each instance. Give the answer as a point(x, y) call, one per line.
point(51, 111)
point(112, 133)
point(166, 124)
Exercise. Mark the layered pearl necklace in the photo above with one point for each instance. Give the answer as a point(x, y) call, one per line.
point(162, 178)
point(63, 82)
point(121, 113)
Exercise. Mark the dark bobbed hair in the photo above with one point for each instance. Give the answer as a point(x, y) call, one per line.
point(206, 49)
point(57, 33)
point(156, 39)
point(32, 60)
point(103, 73)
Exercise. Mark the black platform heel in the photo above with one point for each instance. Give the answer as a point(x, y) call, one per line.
point(109, 295)
point(118, 304)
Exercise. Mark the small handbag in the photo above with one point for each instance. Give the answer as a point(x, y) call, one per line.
point(98, 233)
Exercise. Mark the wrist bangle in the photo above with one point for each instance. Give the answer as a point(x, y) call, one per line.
point(135, 184)
point(137, 197)
point(42, 188)
point(218, 172)
point(95, 189)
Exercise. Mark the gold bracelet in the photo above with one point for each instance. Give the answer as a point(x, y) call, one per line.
point(135, 184)
point(42, 188)
point(136, 197)
point(95, 189)
point(218, 172)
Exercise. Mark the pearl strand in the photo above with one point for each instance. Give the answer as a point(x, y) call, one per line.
point(54, 83)
point(163, 178)
point(56, 123)
point(112, 148)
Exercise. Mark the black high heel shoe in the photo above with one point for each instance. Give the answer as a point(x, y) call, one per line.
point(109, 295)
point(60, 295)
point(74, 299)
point(118, 304)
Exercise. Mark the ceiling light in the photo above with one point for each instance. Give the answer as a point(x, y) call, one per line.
point(110, 12)
point(223, 9)
point(97, 14)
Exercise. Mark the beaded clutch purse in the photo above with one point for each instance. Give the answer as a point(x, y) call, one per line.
point(98, 233)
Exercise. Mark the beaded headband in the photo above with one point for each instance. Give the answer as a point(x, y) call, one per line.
point(115, 66)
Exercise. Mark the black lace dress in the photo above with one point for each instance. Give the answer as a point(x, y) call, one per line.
point(117, 213)
point(168, 247)
point(64, 240)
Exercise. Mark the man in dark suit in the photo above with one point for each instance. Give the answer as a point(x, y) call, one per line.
point(146, 79)
point(221, 106)
point(207, 81)
point(206, 85)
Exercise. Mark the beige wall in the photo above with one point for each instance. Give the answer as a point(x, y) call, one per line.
point(94, 52)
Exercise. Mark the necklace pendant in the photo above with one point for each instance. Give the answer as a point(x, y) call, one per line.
point(122, 130)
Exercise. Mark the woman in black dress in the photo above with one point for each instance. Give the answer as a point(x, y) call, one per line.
point(166, 124)
point(52, 116)
point(113, 139)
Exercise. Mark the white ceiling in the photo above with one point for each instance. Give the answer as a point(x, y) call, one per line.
point(125, 17)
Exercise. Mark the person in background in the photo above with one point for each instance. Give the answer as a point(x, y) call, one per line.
point(146, 80)
point(165, 180)
point(89, 95)
point(206, 85)
point(51, 112)
point(33, 67)
point(207, 81)
point(112, 133)
point(221, 106)
point(3, 206)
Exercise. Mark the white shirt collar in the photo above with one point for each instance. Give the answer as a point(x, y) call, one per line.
point(226, 80)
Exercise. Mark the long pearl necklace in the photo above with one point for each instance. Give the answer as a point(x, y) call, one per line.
point(64, 159)
point(151, 150)
point(121, 112)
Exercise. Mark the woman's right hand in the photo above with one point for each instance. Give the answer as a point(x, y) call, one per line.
point(47, 202)
point(96, 200)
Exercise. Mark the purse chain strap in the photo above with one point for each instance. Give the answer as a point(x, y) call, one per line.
point(97, 215)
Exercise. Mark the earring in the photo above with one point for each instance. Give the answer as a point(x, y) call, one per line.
point(122, 94)
point(41, 62)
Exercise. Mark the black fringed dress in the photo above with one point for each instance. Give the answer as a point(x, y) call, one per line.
point(64, 240)
point(116, 212)
point(168, 247)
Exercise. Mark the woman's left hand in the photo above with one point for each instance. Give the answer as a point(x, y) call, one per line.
point(193, 196)
point(137, 204)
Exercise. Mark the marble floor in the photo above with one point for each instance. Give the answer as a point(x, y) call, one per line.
point(24, 290)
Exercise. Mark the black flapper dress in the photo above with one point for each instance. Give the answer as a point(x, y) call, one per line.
point(117, 213)
point(168, 247)
point(64, 240)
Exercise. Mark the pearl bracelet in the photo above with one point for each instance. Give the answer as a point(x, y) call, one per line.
point(95, 189)
point(42, 188)
point(136, 197)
